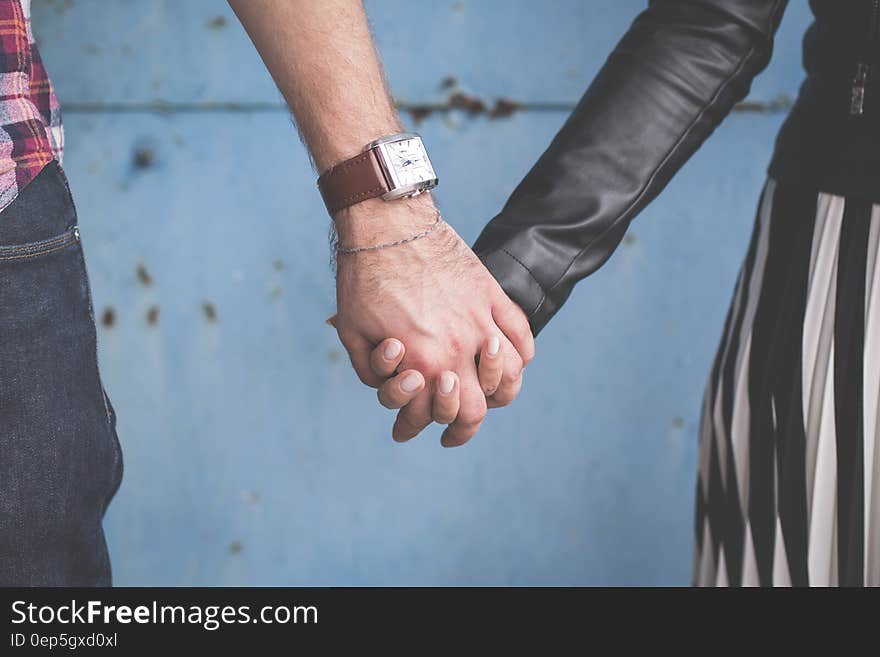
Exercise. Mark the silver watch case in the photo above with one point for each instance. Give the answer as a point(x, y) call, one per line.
point(395, 189)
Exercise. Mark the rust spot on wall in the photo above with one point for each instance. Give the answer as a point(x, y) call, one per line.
point(153, 315)
point(144, 157)
point(470, 104)
point(144, 276)
point(503, 108)
point(210, 311)
point(108, 317)
point(217, 23)
point(419, 113)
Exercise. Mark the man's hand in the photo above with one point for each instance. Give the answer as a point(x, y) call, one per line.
point(434, 296)
point(398, 388)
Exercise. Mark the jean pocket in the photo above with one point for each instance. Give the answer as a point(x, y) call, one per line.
point(56, 422)
point(21, 252)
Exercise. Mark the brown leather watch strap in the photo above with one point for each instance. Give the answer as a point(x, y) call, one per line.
point(352, 181)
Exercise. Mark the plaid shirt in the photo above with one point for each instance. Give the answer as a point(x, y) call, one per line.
point(31, 135)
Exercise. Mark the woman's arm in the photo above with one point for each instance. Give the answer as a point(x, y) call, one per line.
point(670, 81)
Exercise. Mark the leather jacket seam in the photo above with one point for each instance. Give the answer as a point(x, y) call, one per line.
point(529, 272)
point(670, 154)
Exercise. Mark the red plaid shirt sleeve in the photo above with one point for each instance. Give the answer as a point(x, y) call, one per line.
point(31, 134)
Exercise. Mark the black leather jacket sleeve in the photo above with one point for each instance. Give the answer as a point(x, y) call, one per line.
point(673, 77)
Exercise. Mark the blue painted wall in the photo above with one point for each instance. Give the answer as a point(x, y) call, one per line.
point(253, 456)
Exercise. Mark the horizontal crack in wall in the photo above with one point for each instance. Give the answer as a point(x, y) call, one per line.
point(472, 105)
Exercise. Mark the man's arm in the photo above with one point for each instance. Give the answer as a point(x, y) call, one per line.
point(432, 294)
point(321, 56)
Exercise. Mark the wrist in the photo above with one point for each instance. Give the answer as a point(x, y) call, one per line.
point(375, 221)
point(338, 145)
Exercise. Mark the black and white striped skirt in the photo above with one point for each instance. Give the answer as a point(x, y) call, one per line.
point(788, 491)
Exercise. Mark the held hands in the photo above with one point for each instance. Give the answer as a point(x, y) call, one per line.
point(426, 323)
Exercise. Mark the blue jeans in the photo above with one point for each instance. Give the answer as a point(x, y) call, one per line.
point(60, 460)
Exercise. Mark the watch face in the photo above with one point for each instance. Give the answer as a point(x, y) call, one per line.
point(409, 162)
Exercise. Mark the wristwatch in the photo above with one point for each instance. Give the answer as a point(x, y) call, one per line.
point(391, 167)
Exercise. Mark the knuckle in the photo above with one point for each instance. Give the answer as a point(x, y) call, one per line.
point(444, 417)
point(511, 376)
point(427, 365)
point(455, 345)
point(521, 330)
point(513, 365)
point(473, 417)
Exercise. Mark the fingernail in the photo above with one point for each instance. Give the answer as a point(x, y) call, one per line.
point(411, 382)
point(447, 382)
point(392, 349)
point(494, 345)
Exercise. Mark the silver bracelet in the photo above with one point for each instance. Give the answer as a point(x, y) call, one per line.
point(385, 245)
